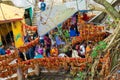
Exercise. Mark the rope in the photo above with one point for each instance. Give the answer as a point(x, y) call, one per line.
point(50, 11)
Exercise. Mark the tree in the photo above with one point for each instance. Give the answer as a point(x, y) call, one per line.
point(111, 10)
point(113, 42)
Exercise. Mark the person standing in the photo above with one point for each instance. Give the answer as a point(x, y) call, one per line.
point(42, 5)
point(47, 42)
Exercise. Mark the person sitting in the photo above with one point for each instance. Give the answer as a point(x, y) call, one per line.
point(37, 55)
point(2, 50)
point(12, 47)
point(59, 41)
point(8, 51)
point(85, 17)
point(72, 31)
point(62, 55)
point(82, 49)
point(74, 52)
point(54, 51)
point(43, 6)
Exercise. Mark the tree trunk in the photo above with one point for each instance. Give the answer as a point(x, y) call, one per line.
point(111, 10)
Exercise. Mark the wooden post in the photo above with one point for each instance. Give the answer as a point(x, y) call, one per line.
point(37, 70)
point(20, 74)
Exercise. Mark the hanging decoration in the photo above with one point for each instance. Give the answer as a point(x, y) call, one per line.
point(33, 28)
point(28, 45)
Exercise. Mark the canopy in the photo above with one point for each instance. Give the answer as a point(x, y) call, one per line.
point(51, 18)
point(24, 3)
point(8, 13)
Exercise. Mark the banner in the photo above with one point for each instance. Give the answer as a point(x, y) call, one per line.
point(18, 33)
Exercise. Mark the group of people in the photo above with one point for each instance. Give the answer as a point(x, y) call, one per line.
point(82, 49)
point(8, 50)
point(45, 48)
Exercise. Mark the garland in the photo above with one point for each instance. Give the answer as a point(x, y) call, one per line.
point(93, 37)
point(7, 57)
point(52, 63)
point(33, 28)
point(29, 45)
point(49, 63)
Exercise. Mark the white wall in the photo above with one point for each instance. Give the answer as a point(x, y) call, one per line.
point(23, 3)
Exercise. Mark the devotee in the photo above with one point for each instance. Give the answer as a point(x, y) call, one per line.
point(54, 51)
point(74, 52)
point(42, 5)
point(82, 49)
point(8, 51)
point(47, 42)
point(85, 17)
point(2, 50)
point(72, 31)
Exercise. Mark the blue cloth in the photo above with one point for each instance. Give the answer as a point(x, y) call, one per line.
point(2, 51)
point(31, 53)
point(43, 6)
point(72, 33)
point(59, 41)
point(38, 56)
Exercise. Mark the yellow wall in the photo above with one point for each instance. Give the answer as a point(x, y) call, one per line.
point(18, 33)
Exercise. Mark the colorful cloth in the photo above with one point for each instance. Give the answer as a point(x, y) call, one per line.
point(43, 6)
point(72, 33)
point(38, 56)
point(2, 51)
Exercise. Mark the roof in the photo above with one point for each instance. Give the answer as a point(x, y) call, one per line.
point(52, 18)
point(10, 13)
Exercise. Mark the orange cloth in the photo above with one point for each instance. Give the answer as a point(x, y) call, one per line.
point(88, 49)
point(54, 52)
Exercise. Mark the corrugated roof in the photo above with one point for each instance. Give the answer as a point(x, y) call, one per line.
point(8, 13)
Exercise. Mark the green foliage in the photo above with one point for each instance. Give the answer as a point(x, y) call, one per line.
point(101, 46)
point(94, 54)
point(80, 76)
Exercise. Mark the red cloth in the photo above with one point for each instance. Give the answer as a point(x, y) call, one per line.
point(8, 51)
point(85, 17)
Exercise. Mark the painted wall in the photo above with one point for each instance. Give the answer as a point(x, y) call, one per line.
point(18, 33)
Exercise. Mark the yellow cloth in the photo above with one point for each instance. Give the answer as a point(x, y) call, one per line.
point(54, 52)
